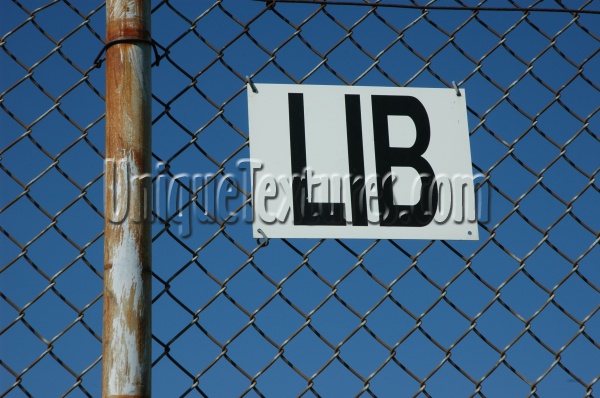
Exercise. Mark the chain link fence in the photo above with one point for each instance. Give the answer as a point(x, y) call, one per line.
point(513, 314)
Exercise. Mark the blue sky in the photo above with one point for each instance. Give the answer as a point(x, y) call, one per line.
point(526, 292)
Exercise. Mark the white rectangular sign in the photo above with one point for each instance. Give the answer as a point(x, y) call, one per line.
point(360, 162)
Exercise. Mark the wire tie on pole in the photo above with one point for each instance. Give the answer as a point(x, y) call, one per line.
point(265, 237)
point(252, 86)
point(456, 88)
point(98, 61)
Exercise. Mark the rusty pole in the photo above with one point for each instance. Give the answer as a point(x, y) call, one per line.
point(127, 335)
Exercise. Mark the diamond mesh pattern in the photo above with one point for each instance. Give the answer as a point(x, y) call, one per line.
point(513, 314)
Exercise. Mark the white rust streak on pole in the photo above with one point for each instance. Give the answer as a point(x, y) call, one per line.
point(127, 335)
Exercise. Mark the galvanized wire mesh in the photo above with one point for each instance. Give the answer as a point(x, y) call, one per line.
point(513, 314)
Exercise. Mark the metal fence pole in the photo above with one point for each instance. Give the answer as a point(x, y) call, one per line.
point(127, 335)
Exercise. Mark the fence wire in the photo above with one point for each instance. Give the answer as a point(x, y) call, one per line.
point(513, 314)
